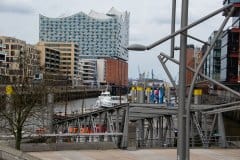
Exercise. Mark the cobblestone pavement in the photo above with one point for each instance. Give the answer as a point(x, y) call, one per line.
point(145, 154)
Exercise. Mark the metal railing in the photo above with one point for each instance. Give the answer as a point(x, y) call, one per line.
point(232, 142)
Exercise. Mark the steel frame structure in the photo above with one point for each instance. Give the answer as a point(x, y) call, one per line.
point(184, 108)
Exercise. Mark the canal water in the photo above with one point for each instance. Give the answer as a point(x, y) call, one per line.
point(75, 106)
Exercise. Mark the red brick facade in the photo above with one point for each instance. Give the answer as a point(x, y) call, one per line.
point(190, 63)
point(117, 72)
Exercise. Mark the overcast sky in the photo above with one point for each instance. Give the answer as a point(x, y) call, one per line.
point(150, 21)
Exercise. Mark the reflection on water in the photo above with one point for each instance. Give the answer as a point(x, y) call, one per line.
point(75, 106)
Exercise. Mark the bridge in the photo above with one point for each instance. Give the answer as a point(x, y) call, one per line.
point(144, 125)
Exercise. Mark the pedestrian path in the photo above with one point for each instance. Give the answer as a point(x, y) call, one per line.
point(146, 154)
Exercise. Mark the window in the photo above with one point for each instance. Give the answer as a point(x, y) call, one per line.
point(238, 70)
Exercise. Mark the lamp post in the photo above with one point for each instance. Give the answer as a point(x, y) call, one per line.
point(137, 47)
point(182, 149)
point(184, 108)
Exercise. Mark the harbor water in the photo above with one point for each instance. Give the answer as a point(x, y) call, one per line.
point(75, 106)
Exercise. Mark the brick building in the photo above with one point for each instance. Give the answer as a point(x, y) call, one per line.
point(117, 72)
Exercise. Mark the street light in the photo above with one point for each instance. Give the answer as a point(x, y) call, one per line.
point(137, 47)
point(182, 149)
point(183, 111)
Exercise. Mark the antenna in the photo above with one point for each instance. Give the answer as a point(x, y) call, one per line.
point(152, 75)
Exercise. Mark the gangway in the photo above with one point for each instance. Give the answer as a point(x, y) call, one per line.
point(150, 120)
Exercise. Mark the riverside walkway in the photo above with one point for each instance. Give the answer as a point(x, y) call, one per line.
point(145, 154)
point(7, 153)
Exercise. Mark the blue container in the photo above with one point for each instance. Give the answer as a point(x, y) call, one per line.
point(152, 96)
point(161, 94)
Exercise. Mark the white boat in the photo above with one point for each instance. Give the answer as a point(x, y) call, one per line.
point(106, 100)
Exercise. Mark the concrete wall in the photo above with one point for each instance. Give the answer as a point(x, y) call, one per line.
point(7, 153)
point(132, 136)
point(39, 147)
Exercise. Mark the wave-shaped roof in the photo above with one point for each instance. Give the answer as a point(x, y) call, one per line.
point(96, 15)
point(114, 11)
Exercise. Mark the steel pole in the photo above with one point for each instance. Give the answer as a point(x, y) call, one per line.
point(173, 27)
point(181, 145)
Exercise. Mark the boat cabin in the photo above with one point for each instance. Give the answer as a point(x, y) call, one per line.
point(105, 94)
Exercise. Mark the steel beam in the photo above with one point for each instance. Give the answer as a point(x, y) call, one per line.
point(153, 112)
point(208, 107)
point(151, 123)
point(221, 131)
point(142, 123)
point(187, 27)
point(192, 132)
point(221, 110)
point(198, 70)
point(204, 76)
point(167, 72)
point(131, 105)
point(124, 143)
point(160, 130)
point(212, 128)
point(197, 39)
point(173, 28)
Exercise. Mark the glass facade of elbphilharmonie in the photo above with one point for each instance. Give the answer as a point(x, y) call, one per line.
point(98, 35)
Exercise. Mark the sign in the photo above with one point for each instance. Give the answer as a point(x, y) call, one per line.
point(197, 92)
point(9, 90)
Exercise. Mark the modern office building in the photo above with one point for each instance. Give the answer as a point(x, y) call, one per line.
point(88, 71)
point(212, 64)
point(109, 71)
point(69, 58)
point(98, 35)
point(49, 59)
point(101, 72)
point(230, 64)
point(2, 53)
point(31, 62)
point(235, 3)
point(2, 60)
point(21, 59)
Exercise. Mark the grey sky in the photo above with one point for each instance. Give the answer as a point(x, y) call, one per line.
point(149, 21)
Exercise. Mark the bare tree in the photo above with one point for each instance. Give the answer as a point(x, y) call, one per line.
point(20, 107)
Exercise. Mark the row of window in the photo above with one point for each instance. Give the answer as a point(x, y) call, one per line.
point(77, 21)
point(93, 36)
point(105, 39)
point(57, 45)
point(81, 26)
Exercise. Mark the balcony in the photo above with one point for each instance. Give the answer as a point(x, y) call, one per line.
point(2, 46)
point(2, 56)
